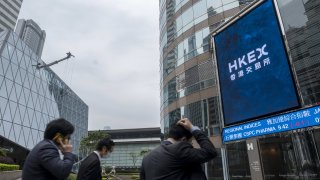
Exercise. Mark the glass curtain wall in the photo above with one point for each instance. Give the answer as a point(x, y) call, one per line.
point(188, 83)
point(31, 97)
point(295, 155)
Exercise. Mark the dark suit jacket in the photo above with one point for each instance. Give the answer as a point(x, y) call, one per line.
point(44, 163)
point(90, 168)
point(178, 161)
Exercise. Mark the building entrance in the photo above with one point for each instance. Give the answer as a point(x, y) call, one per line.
point(291, 156)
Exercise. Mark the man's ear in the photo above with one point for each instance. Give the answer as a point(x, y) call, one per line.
point(184, 139)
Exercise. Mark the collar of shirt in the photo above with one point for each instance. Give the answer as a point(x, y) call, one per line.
point(60, 152)
point(97, 153)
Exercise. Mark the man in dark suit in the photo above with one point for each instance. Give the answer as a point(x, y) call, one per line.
point(51, 159)
point(175, 158)
point(90, 168)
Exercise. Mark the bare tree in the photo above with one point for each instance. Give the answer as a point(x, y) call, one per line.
point(134, 157)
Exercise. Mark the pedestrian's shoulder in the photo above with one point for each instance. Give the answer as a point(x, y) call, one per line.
point(182, 146)
point(46, 144)
point(89, 162)
point(41, 144)
point(91, 158)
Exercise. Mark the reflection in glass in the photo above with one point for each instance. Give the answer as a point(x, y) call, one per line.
point(230, 5)
point(238, 161)
point(302, 31)
point(30, 98)
point(290, 156)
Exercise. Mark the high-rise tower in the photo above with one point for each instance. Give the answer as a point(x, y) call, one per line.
point(188, 84)
point(9, 11)
point(30, 32)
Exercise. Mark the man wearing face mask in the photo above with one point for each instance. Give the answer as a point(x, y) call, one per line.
point(90, 168)
point(175, 158)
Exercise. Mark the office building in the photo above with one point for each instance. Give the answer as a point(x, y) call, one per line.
point(130, 146)
point(32, 97)
point(292, 154)
point(188, 84)
point(189, 89)
point(296, 154)
point(9, 11)
point(30, 32)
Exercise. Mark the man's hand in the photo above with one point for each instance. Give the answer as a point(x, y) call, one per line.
point(66, 146)
point(185, 123)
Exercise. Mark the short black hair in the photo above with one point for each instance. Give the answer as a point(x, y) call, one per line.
point(61, 126)
point(177, 132)
point(106, 142)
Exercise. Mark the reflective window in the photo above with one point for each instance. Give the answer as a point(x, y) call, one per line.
point(162, 3)
point(4, 66)
point(187, 18)
point(180, 50)
point(214, 7)
point(163, 19)
point(30, 98)
point(215, 169)
point(163, 42)
point(238, 161)
point(179, 4)
point(193, 112)
point(302, 31)
point(128, 154)
point(290, 155)
point(3, 90)
point(199, 39)
point(178, 25)
point(200, 11)
point(230, 4)
point(191, 41)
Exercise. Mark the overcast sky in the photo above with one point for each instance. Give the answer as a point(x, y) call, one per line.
point(116, 69)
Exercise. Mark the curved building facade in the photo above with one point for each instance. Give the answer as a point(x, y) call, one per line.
point(188, 84)
point(30, 98)
point(188, 87)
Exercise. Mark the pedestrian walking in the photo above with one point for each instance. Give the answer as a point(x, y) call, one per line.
point(90, 167)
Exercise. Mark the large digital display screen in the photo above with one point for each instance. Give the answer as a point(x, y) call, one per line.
point(285, 122)
point(254, 72)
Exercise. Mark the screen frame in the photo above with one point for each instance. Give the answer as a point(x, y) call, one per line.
point(243, 13)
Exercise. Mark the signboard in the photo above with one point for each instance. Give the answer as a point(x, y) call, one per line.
point(255, 77)
point(254, 159)
point(286, 122)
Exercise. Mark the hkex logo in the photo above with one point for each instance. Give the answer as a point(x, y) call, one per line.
point(249, 62)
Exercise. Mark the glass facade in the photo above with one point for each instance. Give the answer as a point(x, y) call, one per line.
point(31, 97)
point(294, 154)
point(131, 145)
point(128, 154)
point(188, 85)
point(184, 39)
point(187, 73)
